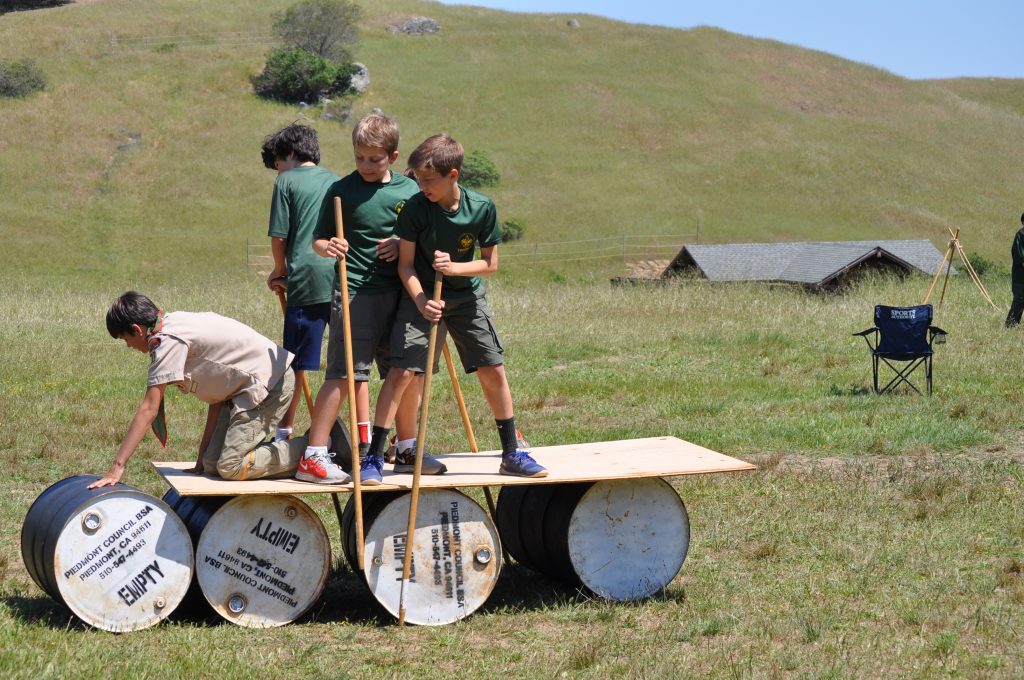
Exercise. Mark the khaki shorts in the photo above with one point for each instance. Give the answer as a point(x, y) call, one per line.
point(373, 316)
point(238, 448)
point(468, 321)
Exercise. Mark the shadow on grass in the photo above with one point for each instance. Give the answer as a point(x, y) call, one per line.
point(41, 610)
point(347, 599)
point(849, 391)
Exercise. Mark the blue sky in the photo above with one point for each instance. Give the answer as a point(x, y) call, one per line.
point(918, 39)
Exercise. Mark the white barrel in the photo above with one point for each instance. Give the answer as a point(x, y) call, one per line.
point(623, 539)
point(456, 554)
point(120, 559)
point(263, 561)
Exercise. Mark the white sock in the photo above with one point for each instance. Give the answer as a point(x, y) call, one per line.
point(404, 444)
point(312, 451)
point(282, 434)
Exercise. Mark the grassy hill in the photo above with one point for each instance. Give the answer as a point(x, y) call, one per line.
point(144, 160)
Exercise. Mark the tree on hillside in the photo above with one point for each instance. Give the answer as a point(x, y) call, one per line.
point(326, 28)
point(15, 5)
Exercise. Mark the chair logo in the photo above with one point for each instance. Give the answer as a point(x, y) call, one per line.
point(904, 314)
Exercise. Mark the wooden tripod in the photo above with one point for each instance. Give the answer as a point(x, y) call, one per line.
point(955, 248)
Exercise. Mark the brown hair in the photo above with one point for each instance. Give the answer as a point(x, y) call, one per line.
point(440, 153)
point(376, 130)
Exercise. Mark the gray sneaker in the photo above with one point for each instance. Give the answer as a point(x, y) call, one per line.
point(319, 469)
point(405, 461)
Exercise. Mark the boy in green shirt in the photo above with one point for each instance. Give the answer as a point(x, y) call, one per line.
point(299, 190)
point(439, 229)
point(372, 197)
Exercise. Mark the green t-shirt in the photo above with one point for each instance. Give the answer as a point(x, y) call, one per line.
point(294, 211)
point(369, 211)
point(474, 222)
point(1017, 258)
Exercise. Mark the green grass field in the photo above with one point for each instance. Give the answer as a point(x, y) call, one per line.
point(880, 536)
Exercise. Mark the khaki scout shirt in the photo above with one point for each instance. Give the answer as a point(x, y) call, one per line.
point(215, 358)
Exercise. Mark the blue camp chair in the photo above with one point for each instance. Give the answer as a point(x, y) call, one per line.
point(902, 340)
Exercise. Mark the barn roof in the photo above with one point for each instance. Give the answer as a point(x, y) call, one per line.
point(814, 263)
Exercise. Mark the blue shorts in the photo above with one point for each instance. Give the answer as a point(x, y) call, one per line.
point(304, 334)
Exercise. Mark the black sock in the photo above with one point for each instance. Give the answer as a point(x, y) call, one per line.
point(378, 440)
point(507, 432)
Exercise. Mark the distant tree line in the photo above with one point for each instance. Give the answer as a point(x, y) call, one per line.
point(17, 5)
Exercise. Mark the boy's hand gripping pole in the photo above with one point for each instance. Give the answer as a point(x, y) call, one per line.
point(357, 490)
point(305, 383)
point(421, 438)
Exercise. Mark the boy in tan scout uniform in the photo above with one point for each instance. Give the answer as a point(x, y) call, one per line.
point(244, 377)
point(440, 229)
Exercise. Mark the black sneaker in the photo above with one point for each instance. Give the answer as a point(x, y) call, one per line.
point(392, 451)
point(405, 461)
point(521, 464)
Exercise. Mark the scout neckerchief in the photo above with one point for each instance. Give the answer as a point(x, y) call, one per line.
point(160, 423)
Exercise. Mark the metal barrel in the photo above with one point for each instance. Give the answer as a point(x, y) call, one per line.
point(194, 512)
point(118, 558)
point(263, 561)
point(623, 539)
point(457, 556)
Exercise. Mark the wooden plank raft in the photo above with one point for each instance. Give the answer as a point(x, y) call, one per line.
point(621, 459)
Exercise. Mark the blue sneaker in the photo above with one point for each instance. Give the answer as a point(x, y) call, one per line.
point(370, 471)
point(520, 464)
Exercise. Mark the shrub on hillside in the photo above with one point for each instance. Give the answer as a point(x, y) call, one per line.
point(478, 170)
point(16, 5)
point(982, 265)
point(512, 230)
point(297, 75)
point(20, 78)
point(326, 28)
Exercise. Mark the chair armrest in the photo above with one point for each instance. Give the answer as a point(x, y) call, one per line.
point(937, 335)
point(865, 332)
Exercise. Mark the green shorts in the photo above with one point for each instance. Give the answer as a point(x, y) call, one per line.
point(467, 320)
point(373, 316)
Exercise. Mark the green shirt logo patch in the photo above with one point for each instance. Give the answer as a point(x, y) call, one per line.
point(466, 242)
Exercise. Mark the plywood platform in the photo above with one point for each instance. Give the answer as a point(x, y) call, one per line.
point(622, 459)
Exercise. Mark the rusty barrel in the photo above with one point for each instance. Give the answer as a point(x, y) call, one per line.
point(118, 558)
point(623, 539)
point(262, 561)
point(456, 559)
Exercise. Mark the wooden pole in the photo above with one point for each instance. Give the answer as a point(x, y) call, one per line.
point(357, 490)
point(458, 397)
point(305, 383)
point(938, 272)
point(421, 437)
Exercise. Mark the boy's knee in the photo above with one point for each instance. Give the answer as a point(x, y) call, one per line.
point(400, 376)
point(236, 469)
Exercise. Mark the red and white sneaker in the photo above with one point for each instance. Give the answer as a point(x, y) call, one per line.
point(317, 467)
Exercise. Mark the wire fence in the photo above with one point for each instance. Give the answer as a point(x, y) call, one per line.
point(123, 44)
point(627, 249)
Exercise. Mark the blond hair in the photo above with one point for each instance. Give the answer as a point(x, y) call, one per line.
point(440, 153)
point(376, 130)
